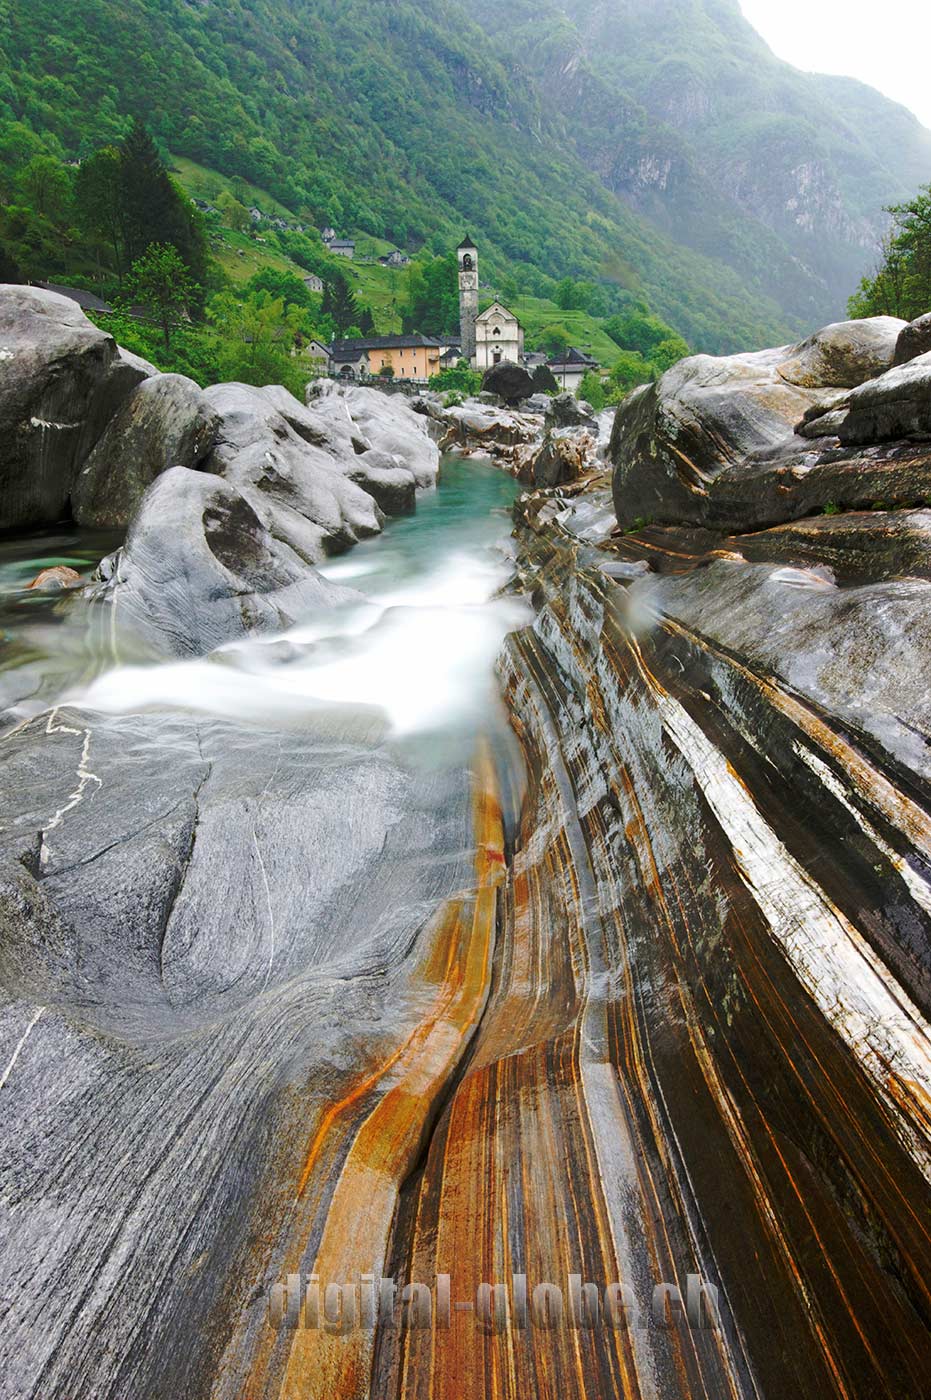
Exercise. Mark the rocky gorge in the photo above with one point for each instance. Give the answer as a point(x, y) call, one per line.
point(628, 985)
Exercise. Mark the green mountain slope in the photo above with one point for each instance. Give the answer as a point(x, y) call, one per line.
point(414, 120)
point(683, 110)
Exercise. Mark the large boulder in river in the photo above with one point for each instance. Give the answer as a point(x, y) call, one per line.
point(566, 411)
point(566, 454)
point(199, 569)
point(510, 382)
point(390, 485)
point(845, 354)
point(386, 422)
point(61, 380)
point(747, 441)
point(897, 405)
point(166, 422)
point(914, 340)
point(672, 439)
point(300, 491)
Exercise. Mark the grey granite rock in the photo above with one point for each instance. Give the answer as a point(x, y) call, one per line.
point(896, 405)
point(386, 422)
point(845, 354)
point(61, 380)
point(199, 569)
point(566, 411)
point(166, 422)
point(299, 489)
point(914, 340)
point(390, 484)
point(510, 382)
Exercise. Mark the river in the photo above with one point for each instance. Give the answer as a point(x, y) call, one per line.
point(418, 645)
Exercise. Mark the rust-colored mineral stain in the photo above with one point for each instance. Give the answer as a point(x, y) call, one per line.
point(320, 1365)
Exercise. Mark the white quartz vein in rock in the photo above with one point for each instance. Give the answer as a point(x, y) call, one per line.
point(22, 1041)
point(84, 776)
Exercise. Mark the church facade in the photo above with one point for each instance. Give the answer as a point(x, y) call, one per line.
point(496, 334)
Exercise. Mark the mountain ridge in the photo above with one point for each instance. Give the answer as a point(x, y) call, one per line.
point(411, 121)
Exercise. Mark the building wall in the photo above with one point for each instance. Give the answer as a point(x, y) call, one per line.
point(569, 378)
point(411, 362)
point(498, 337)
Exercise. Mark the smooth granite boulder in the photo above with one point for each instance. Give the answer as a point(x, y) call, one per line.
point(166, 422)
point(915, 340)
point(672, 439)
point(386, 422)
point(61, 380)
point(565, 455)
point(510, 382)
point(566, 411)
point(845, 354)
point(390, 485)
point(300, 490)
point(200, 568)
point(897, 405)
point(733, 444)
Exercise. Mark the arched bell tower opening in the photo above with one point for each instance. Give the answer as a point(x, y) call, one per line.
point(468, 296)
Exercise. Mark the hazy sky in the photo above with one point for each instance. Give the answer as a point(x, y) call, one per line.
point(886, 44)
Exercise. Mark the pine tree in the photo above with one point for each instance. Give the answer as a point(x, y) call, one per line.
point(339, 303)
point(155, 210)
point(366, 321)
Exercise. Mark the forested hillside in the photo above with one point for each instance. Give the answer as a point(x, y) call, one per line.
point(593, 141)
point(683, 110)
point(399, 120)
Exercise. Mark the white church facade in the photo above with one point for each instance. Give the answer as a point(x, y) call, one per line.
point(498, 336)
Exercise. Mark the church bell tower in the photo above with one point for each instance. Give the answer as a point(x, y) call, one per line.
point(468, 297)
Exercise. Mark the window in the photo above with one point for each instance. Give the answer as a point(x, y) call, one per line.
point(497, 330)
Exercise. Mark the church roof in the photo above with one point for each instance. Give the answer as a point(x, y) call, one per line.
point(466, 243)
point(501, 309)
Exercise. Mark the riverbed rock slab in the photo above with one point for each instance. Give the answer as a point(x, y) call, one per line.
point(200, 568)
point(61, 381)
point(914, 340)
point(300, 490)
point(386, 422)
point(566, 454)
point(390, 484)
point(566, 411)
point(897, 405)
point(845, 354)
point(735, 444)
point(166, 422)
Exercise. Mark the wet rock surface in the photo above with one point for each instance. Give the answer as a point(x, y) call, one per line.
point(61, 380)
point(200, 568)
point(277, 1002)
point(844, 355)
point(914, 340)
point(199, 958)
point(894, 406)
point(566, 411)
point(166, 422)
point(727, 739)
point(733, 444)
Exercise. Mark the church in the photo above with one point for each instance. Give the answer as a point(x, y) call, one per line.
point(495, 334)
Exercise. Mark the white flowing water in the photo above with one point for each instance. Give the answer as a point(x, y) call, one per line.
point(416, 648)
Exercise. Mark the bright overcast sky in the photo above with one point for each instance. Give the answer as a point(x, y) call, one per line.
point(886, 45)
